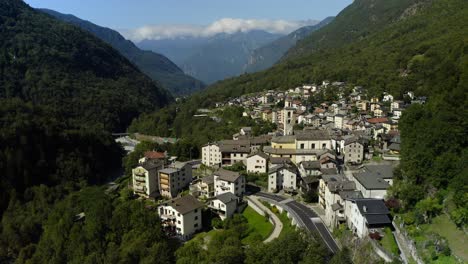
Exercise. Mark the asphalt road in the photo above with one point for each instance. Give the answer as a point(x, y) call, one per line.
point(310, 219)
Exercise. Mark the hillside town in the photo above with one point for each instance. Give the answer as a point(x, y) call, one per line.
point(341, 152)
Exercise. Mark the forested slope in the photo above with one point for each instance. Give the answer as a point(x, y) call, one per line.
point(155, 65)
point(62, 91)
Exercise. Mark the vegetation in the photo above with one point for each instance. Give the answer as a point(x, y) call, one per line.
point(155, 65)
point(259, 226)
point(178, 121)
point(389, 243)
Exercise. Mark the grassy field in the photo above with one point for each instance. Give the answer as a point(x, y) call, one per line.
point(259, 227)
point(388, 242)
point(456, 238)
point(287, 225)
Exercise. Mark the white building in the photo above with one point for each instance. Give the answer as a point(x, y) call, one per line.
point(313, 139)
point(339, 121)
point(257, 163)
point(225, 205)
point(181, 217)
point(365, 216)
point(211, 155)
point(282, 177)
point(370, 185)
point(229, 181)
point(145, 178)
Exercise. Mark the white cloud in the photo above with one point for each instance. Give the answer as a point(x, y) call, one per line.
point(225, 25)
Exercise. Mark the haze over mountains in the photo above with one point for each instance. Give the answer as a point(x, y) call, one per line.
point(223, 55)
point(155, 65)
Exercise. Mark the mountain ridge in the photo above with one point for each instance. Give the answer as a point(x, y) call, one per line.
point(155, 65)
point(266, 56)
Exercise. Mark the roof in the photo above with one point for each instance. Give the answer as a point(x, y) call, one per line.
point(310, 179)
point(350, 195)
point(247, 129)
point(337, 186)
point(226, 197)
point(377, 120)
point(291, 151)
point(261, 154)
point(382, 171)
point(378, 219)
point(284, 139)
point(168, 170)
point(208, 179)
point(155, 155)
point(371, 181)
point(150, 165)
point(312, 134)
point(394, 146)
point(279, 160)
point(225, 175)
point(330, 171)
point(336, 206)
point(369, 206)
point(284, 166)
point(238, 148)
point(310, 165)
point(332, 178)
point(184, 204)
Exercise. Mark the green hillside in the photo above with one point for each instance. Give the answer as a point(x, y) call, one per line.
point(62, 91)
point(421, 53)
point(155, 65)
point(51, 63)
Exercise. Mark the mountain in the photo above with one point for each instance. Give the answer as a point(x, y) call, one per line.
point(266, 56)
point(214, 58)
point(53, 63)
point(155, 65)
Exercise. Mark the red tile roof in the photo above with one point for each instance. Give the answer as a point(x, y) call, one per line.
point(155, 155)
point(377, 120)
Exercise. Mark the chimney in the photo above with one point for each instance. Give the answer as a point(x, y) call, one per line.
point(364, 208)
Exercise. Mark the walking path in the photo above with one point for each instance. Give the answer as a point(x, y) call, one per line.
point(277, 224)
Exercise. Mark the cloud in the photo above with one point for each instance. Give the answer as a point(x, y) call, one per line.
point(225, 25)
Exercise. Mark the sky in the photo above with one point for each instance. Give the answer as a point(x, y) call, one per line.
point(138, 19)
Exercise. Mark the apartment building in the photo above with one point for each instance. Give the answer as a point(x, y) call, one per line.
point(145, 178)
point(175, 178)
point(181, 217)
point(229, 181)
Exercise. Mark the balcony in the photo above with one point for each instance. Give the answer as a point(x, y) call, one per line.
point(164, 181)
point(139, 188)
point(163, 176)
point(139, 178)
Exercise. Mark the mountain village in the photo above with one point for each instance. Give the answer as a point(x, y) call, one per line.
point(342, 152)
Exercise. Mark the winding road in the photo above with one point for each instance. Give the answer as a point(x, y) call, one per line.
point(307, 216)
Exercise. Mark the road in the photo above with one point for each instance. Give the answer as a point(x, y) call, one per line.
point(310, 219)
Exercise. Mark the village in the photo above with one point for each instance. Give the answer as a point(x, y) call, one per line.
point(337, 158)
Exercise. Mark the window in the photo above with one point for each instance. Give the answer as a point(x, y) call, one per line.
point(195, 225)
point(178, 222)
point(313, 146)
point(196, 210)
point(196, 217)
point(302, 146)
point(178, 214)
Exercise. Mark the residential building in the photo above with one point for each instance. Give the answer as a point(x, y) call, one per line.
point(283, 177)
point(234, 151)
point(384, 172)
point(257, 163)
point(339, 121)
point(229, 181)
point(181, 217)
point(145, 178)
point(353, 151)
point(367, 216)
point(211, 155)
point(203, 188)
point(175, 178)
point(370, 185)
point(225, 204)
